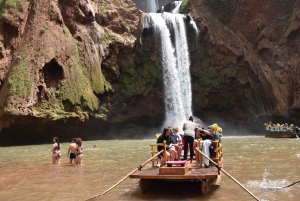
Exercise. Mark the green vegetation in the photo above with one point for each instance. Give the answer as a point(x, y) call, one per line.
point(283, 4)
point(107, 38)
point(66, 31)
point(67, 106)
point(80, 93)
point(222, 8)
point(230, 72)
point(125, 24)
point(205, 62)
point(227, 61)
point(14, 6)
point(281, 22)
point(22, 78)
point(242, 76)
point(209, 78)
point(127, 9)
point(44, 29)
point(102, 8)
point(140, 82)
point(98, 81)
point(201, 52)
point(108, 86)
point(214, 93)
point(13, 3)
point(141, 78)
point(183, 7)
point(200, 26)
point(2, 7)
point(10, 111)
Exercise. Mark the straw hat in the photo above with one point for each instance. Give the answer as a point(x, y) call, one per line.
point(176, 128)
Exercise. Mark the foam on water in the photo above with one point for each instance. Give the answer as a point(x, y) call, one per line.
point(267, 184)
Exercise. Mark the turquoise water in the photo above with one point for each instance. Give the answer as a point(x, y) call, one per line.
point(256, 162)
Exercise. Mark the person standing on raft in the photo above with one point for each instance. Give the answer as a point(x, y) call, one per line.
point(189, 136)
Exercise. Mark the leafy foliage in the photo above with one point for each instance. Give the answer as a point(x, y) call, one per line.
point(13, 5)
point(183, 7)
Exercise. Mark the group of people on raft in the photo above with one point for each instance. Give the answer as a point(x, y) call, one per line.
point(270, 127)
point(192, 132)
point(74, 152)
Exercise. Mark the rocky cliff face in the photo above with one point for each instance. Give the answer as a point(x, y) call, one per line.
point(68, 64)
point(75, 67)
point(248, 59)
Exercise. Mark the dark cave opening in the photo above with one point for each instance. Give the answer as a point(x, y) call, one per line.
point(53, 74)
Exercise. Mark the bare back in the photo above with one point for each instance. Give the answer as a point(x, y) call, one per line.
point(72, 148)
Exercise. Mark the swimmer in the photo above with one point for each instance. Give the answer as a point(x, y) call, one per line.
point(72, 150)
point(79, 153)
point(56, 154)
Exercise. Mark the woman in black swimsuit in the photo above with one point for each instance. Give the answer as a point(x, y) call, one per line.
point(79, 153)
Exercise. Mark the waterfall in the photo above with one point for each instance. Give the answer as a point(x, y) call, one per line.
point(176, 63)
point(147, 5)
point(177, 5)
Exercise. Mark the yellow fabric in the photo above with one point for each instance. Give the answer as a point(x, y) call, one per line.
point(176, 128)
point(157, 135)
point(214, 127)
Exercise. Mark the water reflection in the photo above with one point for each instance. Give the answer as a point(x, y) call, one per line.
point(256, 162)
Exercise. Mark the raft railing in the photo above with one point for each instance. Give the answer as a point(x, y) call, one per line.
point(154, 151)
point(218, 150)
point(217, 157)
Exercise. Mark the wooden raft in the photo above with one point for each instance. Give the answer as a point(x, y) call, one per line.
point(180, 171)
point(275, 134)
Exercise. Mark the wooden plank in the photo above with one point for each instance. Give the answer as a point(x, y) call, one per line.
point(173, 170)
point(175, 177)
point(193, 173)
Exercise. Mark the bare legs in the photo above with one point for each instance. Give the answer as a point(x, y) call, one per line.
point(55, 158)
point(172, 153)
point(178, 149)
point(78, 160)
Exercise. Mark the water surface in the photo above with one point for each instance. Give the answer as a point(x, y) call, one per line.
point(256, 162)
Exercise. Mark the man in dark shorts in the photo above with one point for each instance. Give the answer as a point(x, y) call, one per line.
point(72, 150)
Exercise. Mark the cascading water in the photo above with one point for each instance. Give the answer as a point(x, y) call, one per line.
point(172, 7)
point(177, 5)
point(176, 63)
point(147, 5)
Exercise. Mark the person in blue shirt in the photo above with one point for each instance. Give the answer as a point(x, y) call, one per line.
point(177, 141)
